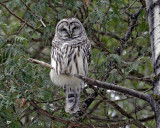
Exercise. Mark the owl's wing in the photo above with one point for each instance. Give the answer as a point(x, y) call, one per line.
point(88, 52)
point(56, 42)
point(56, 45)
point(53, 48)
point(55, 52)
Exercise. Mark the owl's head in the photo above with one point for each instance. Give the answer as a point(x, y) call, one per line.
point(70, 28)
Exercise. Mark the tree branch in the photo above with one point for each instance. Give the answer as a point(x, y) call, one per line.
point(123, 112)
point(22, 20)
point(86, 104)
point(101, 84)
point(101, 45)
point(44, 112)
point(115, 87)
point(144, 79)
point(131, 26)
point(143, 2)
point(21, 28)
point(51, 6)
point(40, 62)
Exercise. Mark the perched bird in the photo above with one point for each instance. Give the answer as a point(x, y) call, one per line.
point(70, 56)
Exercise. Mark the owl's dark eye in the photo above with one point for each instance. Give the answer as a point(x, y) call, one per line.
point(63, 29)
point(75, 28)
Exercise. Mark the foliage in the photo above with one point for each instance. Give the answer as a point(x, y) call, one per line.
point(127, 63)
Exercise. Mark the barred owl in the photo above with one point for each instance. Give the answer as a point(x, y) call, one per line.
point(70, 56)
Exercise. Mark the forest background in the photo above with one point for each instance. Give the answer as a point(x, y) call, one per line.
point(121, 55)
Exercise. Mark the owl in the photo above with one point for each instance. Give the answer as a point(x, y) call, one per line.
point(70, 56)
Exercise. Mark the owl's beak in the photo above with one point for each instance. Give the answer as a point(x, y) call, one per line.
point(70, 35)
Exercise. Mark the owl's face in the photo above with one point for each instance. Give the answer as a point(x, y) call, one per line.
point(69, 28)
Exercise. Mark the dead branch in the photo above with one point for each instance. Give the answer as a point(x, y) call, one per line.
point(40, 62)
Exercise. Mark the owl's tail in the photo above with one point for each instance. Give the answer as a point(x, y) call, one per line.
point(72, 101)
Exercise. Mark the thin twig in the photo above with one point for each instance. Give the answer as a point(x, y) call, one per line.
point(3, 96)
point(22, 20)
point(40, 62)
point(145, 79)
point(21, 28)
point(45, 113)
point(132, 25)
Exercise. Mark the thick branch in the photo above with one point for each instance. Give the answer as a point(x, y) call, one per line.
point(115, 87)
point(105, 85)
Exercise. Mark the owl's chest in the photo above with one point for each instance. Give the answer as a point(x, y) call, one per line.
point(70, 60)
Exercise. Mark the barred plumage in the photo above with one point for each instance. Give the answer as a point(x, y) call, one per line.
point(70, 56)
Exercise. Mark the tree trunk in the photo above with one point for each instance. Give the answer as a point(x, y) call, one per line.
point(153, 9)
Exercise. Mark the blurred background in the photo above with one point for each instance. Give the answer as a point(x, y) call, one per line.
point(121, 54)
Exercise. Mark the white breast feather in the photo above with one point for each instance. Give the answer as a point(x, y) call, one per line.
point(61, 79)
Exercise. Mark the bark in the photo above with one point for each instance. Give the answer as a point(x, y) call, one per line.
point(153, 9)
